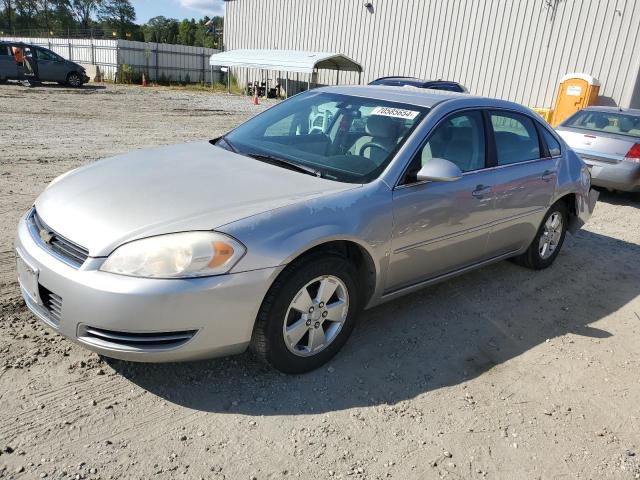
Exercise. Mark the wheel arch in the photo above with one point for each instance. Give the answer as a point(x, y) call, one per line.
point(571, 201)
point(353, 251)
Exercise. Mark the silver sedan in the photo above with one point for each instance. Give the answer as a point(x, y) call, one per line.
point(608, 140)
point(276, 235)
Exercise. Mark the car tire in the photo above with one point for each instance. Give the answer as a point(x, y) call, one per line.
point(548, 241)
point(74, 80)
point(281, 312)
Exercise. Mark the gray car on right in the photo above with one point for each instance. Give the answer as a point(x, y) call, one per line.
point(608, 140)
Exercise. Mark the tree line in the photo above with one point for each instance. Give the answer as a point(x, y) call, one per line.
point(103, 18)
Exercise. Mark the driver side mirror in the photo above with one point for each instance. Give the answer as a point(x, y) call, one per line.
point(439, 170)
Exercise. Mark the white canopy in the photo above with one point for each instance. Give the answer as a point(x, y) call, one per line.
point(285, 60)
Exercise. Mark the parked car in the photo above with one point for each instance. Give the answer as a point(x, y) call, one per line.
point(276, 235)
point(417, 82)
point(608, 140)
point(22, 61)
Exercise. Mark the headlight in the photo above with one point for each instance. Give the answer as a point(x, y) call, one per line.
point(177, 255)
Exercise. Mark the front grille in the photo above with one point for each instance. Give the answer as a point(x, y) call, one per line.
point(52, 302)
point(63, 248)
point(134, 341)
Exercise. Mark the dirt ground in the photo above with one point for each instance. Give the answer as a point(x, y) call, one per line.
point(503, 373)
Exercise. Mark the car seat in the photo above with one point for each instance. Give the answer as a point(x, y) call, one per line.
point(457, 144)
point(625, 124)
point(381, 130)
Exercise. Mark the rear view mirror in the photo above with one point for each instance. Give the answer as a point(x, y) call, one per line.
point(439, 170)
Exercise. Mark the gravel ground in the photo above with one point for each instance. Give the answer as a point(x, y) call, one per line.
point(503, 373)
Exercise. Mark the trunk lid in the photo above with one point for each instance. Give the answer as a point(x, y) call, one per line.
point(600, 147)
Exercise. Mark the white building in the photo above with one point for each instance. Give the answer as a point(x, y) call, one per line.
point(512, 49)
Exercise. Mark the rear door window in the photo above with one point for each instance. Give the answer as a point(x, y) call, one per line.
point(516, 137)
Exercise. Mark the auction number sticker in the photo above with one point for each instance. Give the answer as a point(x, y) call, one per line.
point(395, 112)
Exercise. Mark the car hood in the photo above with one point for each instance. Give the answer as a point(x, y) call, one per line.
point(194, 186)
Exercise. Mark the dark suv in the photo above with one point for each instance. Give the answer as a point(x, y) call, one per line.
point(417, 82)
point(23, 61)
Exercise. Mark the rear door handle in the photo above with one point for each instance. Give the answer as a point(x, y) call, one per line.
point(548, 175)
point(481, 191)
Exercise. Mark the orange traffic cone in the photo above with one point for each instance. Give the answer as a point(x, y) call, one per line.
point(144, 80)
point(255, 98)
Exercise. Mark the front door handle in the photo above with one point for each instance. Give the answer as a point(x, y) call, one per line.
point(548, 175)
point(481, 191)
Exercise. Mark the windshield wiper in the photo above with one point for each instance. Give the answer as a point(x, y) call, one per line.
point(284, 163)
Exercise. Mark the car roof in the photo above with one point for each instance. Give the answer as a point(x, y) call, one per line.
point(422, 97)
point(401, 77)
point(415, 79)
point(9, 42)
point(596, 108)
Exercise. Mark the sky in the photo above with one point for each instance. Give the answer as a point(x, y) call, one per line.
point(146, 9)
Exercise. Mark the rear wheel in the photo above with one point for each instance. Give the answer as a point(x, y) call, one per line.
point(74, 80)
point(547, 243)
point(308, 314)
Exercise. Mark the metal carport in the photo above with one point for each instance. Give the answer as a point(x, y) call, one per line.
point(287, 61)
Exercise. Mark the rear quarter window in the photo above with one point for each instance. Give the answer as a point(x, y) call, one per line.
point(552, 143)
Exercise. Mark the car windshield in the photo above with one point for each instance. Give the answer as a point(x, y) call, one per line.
point(610, 122)
point(339, 137)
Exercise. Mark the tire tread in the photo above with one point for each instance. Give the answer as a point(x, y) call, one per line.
point(260, 342)
point(531, 259)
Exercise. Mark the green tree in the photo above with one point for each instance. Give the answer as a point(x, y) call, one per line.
point(187, 32)
point(8, 14)
point(83, 11)
point(118, 15)
point(161, 30)
point(209, 32)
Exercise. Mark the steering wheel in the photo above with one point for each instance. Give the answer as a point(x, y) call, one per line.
point(373, 145)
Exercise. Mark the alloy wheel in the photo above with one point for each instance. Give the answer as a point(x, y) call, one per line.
point(316, 316)
point(551, 235)
point(75, 80)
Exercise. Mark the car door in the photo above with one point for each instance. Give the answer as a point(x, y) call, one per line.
point(51, 67)
point(525, 179)
point(8, 65)
point(441, 227)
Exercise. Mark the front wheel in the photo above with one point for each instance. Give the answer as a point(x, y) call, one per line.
point(74, 80)
point(547, 243)
point(308, 314)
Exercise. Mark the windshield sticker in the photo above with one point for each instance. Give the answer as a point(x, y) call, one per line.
point(395, 112)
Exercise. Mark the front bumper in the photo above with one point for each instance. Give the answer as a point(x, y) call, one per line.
point(138, 319)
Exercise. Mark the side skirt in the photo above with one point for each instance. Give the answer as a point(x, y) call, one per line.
point(393, 294)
